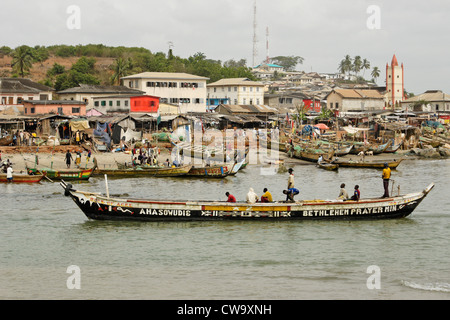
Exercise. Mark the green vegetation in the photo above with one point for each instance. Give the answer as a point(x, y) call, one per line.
point(127, 60)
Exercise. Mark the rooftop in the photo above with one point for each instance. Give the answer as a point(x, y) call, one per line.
point(235, 82)
point(165, 76)
point(86, 88)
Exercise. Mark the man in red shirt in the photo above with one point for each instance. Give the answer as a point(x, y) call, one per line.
point(231, 198)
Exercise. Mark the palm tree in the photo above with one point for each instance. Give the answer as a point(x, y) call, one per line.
point(357, 64)
point(120, 69)
point(375, 73)
point(365, 65)
point(345, 65)
point(22, 60)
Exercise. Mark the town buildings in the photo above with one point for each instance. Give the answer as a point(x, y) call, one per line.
point(186, 90)
point(91, 94)
point(435, 101)
point(342, 101)
point(60, 107)
point(235, 91)
point(13, 91)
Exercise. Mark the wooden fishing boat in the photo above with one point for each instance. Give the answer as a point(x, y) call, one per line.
point(380, 148)
point(393, 148)
point(328, 166)
point(215, 171)
point(60, 174)
point(375, 164)
point(22, 178)
point(103, 207)
point(6, 141)
point(136, 172)
point(314, 155)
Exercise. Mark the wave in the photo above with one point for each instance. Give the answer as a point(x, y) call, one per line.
point(440, 287)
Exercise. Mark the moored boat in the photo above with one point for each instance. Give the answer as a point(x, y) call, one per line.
point(328, 166)
point(393, 148)
point(6, 141)
point(156, 172)
point(22, 178)
point(101, 207)
point(375, 164)
point(216, 171)
point(62, 174)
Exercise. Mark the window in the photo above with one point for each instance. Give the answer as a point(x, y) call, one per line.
point(60, 110)
point(96, 103)
point(251, 89)
point(110, 103)
point(337, 105)
point(229, 89)
point(75, 110)
point(32, 110)
point(130, 84)
point(235, 89)
point(103, 103)
point(251, 101)
point(244, 101)
point(257, 101)
point(235, 101)
point(331, 105)
point(126, 103)
point(118, 103)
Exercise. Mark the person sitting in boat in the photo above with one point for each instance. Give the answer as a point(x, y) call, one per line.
point(356, 194)
point(343, 195)
point(135, 162)
point(167, 163)
point(252, 197)
point(320, 159)
point(267, 196)
point(231, 198)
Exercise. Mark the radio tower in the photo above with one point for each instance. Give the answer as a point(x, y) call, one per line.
point(267, 45)
point(255, 39)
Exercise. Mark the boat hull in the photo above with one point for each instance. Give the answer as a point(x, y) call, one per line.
point(367, 164)
point(98, 207)
point(156, 172)
point(22, 178)
point(63, 174)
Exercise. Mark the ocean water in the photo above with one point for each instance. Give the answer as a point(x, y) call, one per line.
point(44, 234)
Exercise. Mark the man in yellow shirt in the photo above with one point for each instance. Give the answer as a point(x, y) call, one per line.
point(386, 176)
point(267, 196)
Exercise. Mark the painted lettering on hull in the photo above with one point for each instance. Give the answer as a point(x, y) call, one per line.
point(166, 212)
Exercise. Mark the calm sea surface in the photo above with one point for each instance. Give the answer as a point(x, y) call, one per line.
point(43, 233)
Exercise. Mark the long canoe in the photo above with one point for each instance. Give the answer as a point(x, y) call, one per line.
point(393, 148)
point(215, 171)
point(22, 178)
point(328, 166)
point(62, 174)
point(156, 172)
point(375, 164)
point(100, 207)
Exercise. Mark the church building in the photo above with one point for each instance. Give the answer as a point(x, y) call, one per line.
point(394, 83)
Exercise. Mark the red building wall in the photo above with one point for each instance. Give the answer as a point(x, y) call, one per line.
point(313, 105)
point(147, 104)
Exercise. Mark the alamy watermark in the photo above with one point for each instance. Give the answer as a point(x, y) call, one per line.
point(74, 280)
point(230, 146)
point(373, 22)
point(73, 21)
point(374, 280)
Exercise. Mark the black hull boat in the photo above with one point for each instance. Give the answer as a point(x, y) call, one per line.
point(99, 207)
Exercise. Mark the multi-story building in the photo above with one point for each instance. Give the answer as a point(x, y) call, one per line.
point(354, 100)
point(13, 91)
point(236, 91)
point(186, 90)
point(394, 83)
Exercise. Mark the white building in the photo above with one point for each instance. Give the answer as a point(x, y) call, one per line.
point(354, 100)
point(13, 91)
point(395, 82)
point(238, 91)
point(186, 90)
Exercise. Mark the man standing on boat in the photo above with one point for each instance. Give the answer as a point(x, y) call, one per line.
point(291, 191)
point(386, 176)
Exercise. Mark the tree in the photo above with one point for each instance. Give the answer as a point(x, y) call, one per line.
point(365, 65)
point(345, 65)
point(357, 64)
point(375, 73)
point(22, 61)
point(120, 68)
point(287, 62)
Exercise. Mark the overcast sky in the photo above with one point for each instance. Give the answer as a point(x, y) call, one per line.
point(320, 31)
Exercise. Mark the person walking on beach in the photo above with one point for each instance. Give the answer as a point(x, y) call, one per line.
point(68, 158)
point(386, 176)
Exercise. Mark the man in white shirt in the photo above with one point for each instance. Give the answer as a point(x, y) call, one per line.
point(9, 174)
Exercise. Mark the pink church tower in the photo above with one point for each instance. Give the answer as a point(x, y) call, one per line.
point(395, 83)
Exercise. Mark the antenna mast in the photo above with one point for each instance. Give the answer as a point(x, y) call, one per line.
point(255, 39)
point(267, 45)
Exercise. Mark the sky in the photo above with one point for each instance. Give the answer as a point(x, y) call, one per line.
point(320, 31)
